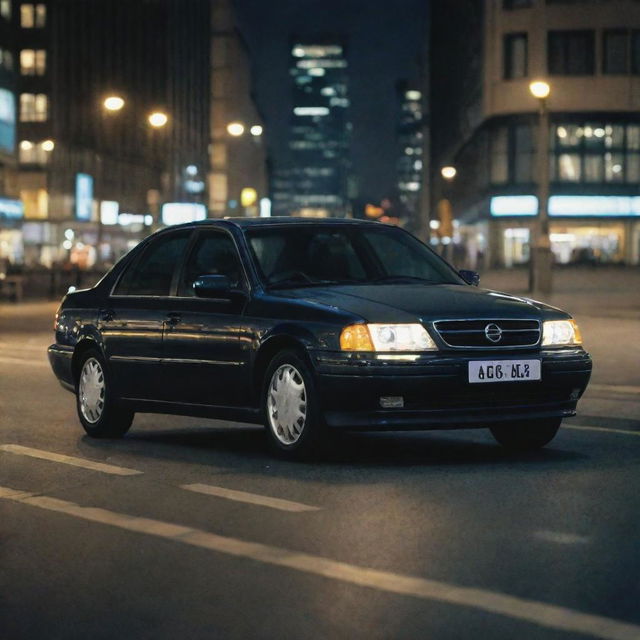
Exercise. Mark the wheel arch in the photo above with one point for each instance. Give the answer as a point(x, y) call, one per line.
point(85, 344)
point(269, 348)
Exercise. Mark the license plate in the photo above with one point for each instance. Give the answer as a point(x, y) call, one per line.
point(504, 370)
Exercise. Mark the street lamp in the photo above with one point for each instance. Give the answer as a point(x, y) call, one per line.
point(158, 119)
point(448, 173)
point(540, 260)
point(235, 129)
point(113, 103)
point(256, 130)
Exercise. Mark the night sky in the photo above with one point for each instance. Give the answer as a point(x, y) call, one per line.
point(385, 39)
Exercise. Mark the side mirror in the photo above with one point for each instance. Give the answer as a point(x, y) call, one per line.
point(212, 287)
point(470, 277)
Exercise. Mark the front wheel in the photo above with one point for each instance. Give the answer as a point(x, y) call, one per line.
point(98, 409)
point(526, 435)
point(294, 425)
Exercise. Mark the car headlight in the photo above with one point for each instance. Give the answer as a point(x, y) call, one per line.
point(560, 332)
point(386, 337)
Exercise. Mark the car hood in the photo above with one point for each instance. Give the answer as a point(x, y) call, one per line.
point(407, 302)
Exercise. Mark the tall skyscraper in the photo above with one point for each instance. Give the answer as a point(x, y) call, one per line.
point(317, 172)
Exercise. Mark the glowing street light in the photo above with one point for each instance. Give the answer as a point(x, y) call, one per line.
point(158, 119)
point(113, 103)
point(256, 130)
point(48, 145)
point(235, 129)
point(540, 89)
point(448, 173)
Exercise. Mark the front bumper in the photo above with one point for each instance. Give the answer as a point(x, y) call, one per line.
point(436, 392)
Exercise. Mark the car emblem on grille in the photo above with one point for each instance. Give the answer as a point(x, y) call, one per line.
point(493, 332)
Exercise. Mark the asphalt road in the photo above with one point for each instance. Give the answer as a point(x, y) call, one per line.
point(188, 528)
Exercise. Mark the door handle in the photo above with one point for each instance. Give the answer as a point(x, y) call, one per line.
point(173, 319)
point(107, 315)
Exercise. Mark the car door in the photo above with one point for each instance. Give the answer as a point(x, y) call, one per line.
point(132, 321)
point(204, 354)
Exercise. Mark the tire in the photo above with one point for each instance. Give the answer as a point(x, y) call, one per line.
point(294, 424)
point(526, 435)
point(98, 409)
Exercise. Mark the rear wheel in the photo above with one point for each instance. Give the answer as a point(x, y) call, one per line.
point(290, 405)
point(526, 435)
point(98, 409)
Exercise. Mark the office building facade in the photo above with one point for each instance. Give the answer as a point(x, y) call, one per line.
point(317, 168)
point(484, 120)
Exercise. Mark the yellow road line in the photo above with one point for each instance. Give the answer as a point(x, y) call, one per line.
point(531, 611)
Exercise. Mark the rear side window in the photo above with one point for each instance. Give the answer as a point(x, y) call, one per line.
point(152, 274)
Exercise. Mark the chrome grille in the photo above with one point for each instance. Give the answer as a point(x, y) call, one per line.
point(489, 333)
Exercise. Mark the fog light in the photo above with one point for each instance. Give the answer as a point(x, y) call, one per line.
point(391, 402)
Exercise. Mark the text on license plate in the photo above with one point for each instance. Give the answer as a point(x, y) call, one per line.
point(504, 370)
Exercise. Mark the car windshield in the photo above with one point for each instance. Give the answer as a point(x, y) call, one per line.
point(311, 255)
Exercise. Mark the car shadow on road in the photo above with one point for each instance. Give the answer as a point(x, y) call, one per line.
point(244, 449)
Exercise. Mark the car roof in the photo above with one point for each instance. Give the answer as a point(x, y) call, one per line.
point(244, 223)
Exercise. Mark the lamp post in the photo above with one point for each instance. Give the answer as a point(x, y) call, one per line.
point(541, 259)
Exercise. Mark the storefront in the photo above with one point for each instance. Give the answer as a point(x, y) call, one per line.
point(583, 229)
point(11, 240)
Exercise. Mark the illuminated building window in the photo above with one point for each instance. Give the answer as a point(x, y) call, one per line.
point(33, 16)
point(34, 107)
point(33, 62)
point(36, 203)
point(5, 9)
point(35, 152)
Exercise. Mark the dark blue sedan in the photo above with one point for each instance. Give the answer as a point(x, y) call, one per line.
point(308, 326)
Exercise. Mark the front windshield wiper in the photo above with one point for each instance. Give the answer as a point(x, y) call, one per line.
point(402, 279)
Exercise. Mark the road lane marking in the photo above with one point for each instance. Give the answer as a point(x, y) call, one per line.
point(560, 537)
point(74, 462)
point(614, 388)
point(626, 432)
point(538, 613)
point(22, 361)
point(250, 498)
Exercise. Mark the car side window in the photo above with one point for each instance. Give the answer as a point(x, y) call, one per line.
point(152, 274)
point(214, 253)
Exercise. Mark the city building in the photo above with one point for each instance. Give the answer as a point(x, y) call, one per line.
point(410, 166)
point(113, 123)
point(317, 168)
point(238, 184)
point(484, 122)
point(11, 213)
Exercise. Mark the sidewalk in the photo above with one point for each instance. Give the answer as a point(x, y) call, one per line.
point(605, 292)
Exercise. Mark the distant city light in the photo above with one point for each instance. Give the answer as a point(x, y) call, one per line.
point(25, 145)
point(148, 220)
point(180, 212)
point(158, 119)
point(265, 207)
point(413, 95)
point(448, 173)
point(109, 210)
point(67, 244)
point(311, 111)
point(113, 103)
point(317, 71)
point(248, 196)
point(235, 129)
point(434, 224)
point(192, 170)
point(540, 89)
point(48, 145)
point(562, 132)
point(256, 130)
point(69, 234)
